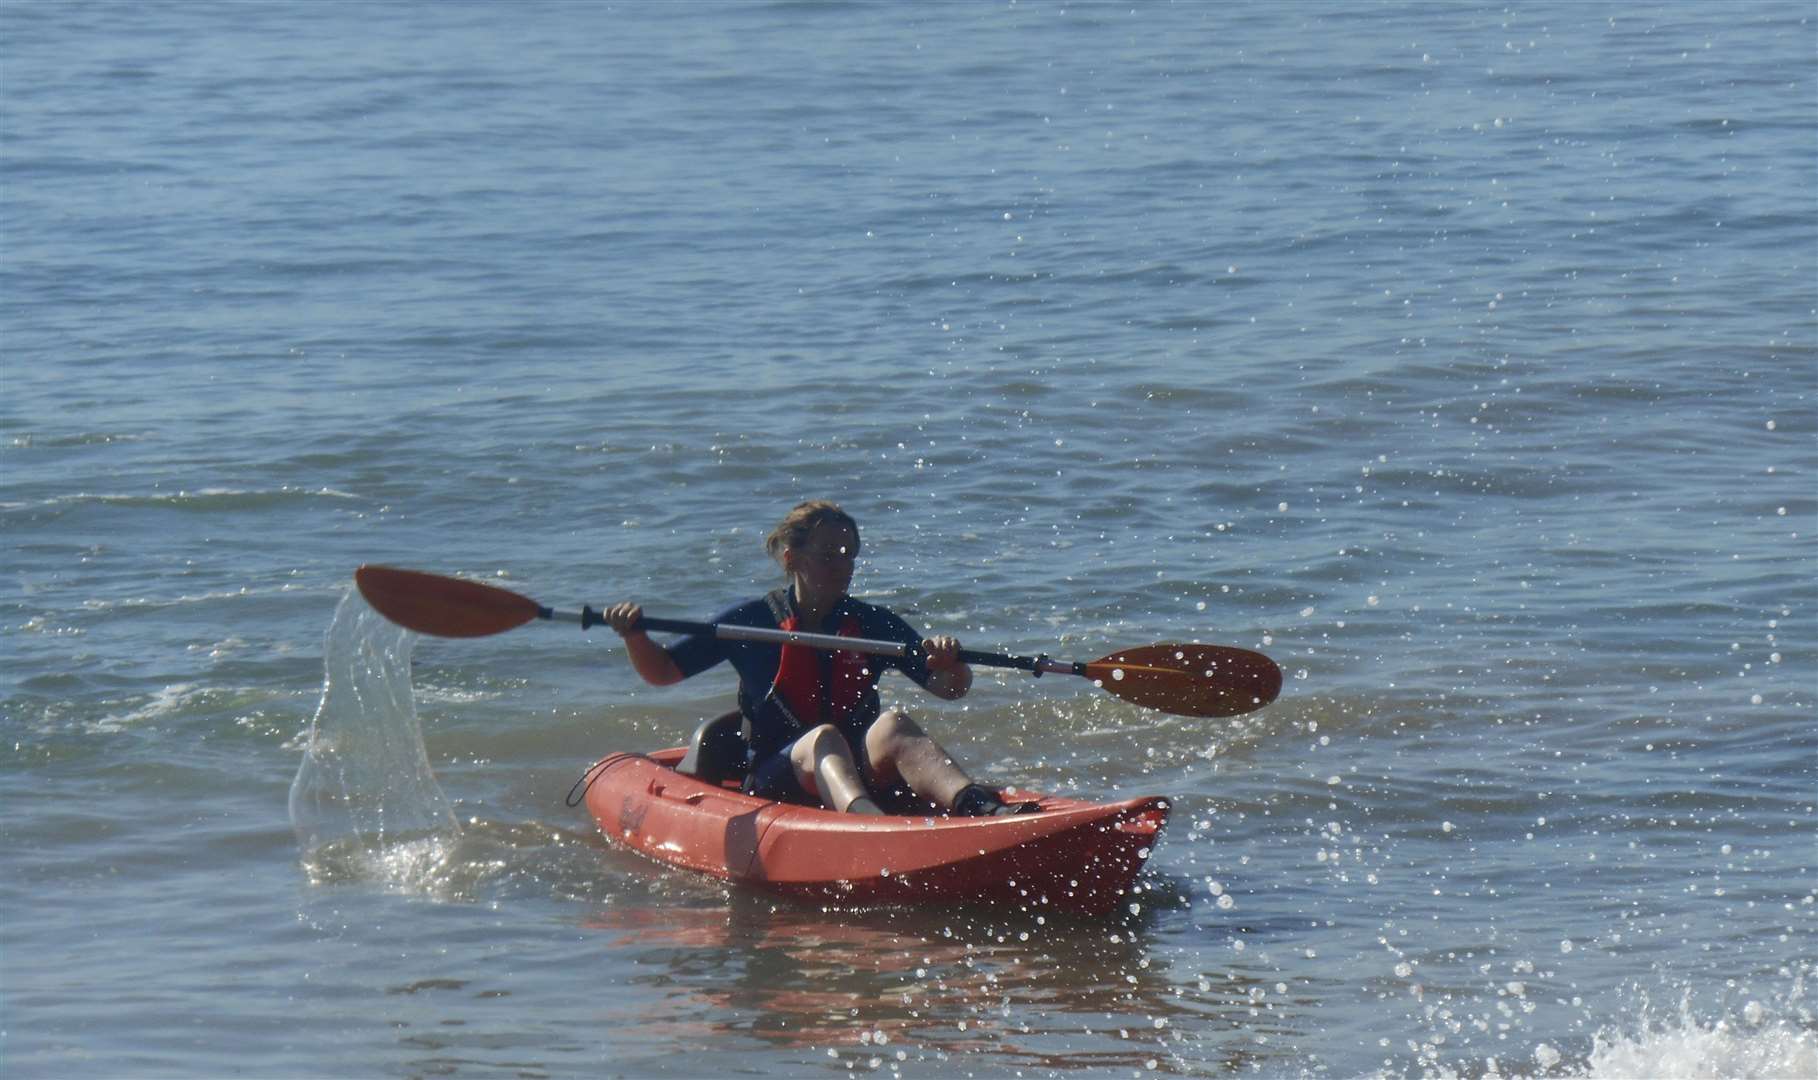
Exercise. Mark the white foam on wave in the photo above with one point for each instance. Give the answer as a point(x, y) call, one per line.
point(1758, 1040)
point(171, 699)
point(1694, 1053)
point(186, 497)
point(450, 695)
point(134, 603)
point(1755, 1037)
point(30, 441)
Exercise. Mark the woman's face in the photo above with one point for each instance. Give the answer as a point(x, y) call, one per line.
point(825, 559)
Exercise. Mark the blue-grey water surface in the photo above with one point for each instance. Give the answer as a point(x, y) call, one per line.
point(1459, 356)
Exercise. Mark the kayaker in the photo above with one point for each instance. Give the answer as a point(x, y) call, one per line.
point(818, 730)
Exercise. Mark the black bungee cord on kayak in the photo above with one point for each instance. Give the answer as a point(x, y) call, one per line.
point(586, 782)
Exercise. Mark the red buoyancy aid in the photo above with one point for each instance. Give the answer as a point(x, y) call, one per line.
point(816, 686)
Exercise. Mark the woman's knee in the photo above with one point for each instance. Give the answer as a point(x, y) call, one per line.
point(816, 743)
point(888, 732)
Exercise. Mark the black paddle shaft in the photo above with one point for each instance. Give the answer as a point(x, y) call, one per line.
point(590, 618)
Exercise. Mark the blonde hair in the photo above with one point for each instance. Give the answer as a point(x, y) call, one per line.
point(794, 529)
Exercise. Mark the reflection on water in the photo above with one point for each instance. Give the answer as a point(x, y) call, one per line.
point(889, 986)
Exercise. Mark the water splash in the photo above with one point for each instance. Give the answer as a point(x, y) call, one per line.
point(1765, 1040)
point(365, 797)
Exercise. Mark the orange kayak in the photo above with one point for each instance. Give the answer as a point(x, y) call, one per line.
point(1070, 856)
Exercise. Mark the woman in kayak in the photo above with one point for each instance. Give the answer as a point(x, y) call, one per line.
point(818, 730)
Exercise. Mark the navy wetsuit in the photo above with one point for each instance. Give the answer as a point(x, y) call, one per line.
point(772, 775)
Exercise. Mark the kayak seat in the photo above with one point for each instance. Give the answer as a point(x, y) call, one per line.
point(718, 751)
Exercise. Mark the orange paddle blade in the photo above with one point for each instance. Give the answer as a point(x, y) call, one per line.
point(442, 606)
point(1190, 680)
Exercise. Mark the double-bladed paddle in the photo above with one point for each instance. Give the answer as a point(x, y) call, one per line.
point(1186, 680)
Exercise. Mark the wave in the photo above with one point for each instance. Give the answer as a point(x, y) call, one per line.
point(151, 603)
point(172, 699)
point(1753, 1038)
point(29, 441)
point(56, 705)
point(202, 499)
point(1758, 1040)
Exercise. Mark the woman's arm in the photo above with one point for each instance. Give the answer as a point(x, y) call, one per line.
point(650, 660)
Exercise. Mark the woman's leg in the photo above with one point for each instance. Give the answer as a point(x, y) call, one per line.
point(897, 748)
point(824, 767)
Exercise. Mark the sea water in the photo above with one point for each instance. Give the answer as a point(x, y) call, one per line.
point(1461, 357)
